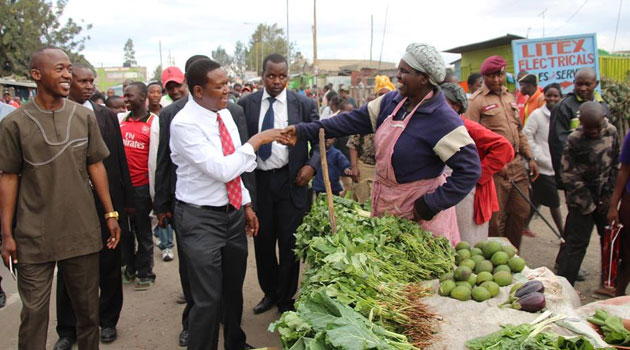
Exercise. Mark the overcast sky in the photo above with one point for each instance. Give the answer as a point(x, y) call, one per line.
point(188, 27)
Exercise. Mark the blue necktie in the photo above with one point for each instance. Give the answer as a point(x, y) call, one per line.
point(264, 152)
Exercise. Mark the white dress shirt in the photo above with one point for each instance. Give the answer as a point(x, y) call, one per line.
point(87, 104)
point(279, 152)
point(202, 169)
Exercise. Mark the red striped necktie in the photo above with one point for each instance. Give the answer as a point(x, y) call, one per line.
point(235, 194)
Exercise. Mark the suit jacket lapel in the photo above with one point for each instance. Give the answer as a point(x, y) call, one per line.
point(100, 119)
point(257, 101)
point(292, 108)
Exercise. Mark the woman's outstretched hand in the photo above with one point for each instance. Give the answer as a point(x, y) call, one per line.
point(289, 136)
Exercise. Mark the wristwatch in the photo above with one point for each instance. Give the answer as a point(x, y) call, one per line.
point(111, 214)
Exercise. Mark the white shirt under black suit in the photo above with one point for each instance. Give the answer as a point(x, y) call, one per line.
point(279, 152)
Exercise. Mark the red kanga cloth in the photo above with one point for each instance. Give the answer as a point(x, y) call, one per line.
point(494, 152)
point(136, 137)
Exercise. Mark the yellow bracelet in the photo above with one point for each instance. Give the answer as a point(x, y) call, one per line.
point(111, 214)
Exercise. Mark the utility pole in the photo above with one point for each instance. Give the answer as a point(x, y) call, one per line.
point(288, 42)
point(380, 57)
point(543, 18)
point(161, 66)
point(371, 35)
point(315, 32)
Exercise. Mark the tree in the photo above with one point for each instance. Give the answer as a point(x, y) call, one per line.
point(221, 56)
point(130, 54)
point(264, 41)
point(28, 25)
point(157, 73)
point(239, 59)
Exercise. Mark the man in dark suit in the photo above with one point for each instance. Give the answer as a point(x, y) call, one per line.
point(282, 177)
point(111, 294)
point(165, 179)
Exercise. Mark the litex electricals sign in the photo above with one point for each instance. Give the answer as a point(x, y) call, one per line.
point(556, 59)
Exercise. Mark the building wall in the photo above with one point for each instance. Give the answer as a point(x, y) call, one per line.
point(111, 76)
point(616, 68)
point(472, 60)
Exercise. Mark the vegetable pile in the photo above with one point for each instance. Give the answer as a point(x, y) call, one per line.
point(480, 271)
point(612, 327)
point(529, 337)
point(364, 281)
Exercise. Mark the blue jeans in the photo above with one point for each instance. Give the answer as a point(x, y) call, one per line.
point(165, 234)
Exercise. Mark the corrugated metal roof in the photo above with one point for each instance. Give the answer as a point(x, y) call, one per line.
point(18, 83)
point(502, 40)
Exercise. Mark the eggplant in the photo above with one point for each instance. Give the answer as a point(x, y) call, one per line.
point(532, 302)
point(529, 287)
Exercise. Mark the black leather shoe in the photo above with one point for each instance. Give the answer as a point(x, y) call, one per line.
point(108, 335)
point(183, 338)
point(248, 347)
point(64, 344)
point(3, 299)
point(265, 304)
point(284, 307)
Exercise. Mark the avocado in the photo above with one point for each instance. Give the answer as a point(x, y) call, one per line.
point(503, 278)
point(499, 258)
point(480, 294)
point(461, 293)
point(516, 264)
point(446, 287)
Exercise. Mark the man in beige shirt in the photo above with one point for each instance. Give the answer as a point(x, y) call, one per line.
point(494, 107)
point(52, 150)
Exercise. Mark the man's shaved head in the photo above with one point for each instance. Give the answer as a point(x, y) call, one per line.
point(39, 56)
point(586, 73)
point(585, 83)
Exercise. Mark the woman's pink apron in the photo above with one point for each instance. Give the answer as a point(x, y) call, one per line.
point(388, 196)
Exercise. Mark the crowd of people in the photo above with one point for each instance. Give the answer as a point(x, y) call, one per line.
point(104, 178)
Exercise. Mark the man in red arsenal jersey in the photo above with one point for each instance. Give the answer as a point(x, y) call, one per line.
point(140, 133)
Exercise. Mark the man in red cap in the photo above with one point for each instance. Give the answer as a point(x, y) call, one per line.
point(174, 82)
point(494, 107)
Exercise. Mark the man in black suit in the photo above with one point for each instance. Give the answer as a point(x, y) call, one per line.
point(165, 179)
point(282, 177)
point(111, 294)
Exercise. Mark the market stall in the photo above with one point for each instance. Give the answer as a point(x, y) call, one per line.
point(375, 284)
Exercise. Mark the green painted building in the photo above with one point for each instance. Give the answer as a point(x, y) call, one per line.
point(107, 77)
point(473, 55)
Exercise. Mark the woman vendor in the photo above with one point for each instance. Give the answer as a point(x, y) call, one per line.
point(416, 134)
point(474, 211)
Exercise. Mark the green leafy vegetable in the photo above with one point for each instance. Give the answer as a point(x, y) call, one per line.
point(528, 337)
point(372, 266)
point(612, 326)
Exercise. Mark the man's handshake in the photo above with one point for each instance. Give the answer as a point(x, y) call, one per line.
point(286, 136)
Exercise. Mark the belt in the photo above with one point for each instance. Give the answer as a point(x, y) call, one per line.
point(276, 170)
point(224, 208)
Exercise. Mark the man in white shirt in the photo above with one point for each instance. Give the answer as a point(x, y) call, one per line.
point(213, 210)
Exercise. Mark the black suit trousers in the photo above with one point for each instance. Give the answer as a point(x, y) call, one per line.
point(110, 285)
point(215, 247)
point(278, 217)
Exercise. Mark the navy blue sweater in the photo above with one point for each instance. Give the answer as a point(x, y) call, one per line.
point(337, 164)
point(434, 137)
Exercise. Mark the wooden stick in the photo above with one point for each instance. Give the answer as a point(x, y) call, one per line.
point(329, 194)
